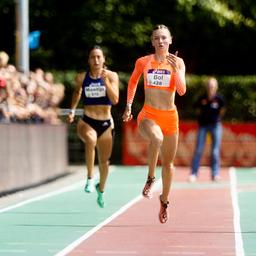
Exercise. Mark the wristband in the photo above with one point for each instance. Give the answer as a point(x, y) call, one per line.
point(129, 105)
point(72, 112)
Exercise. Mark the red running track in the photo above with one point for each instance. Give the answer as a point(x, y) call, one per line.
point(201, 223)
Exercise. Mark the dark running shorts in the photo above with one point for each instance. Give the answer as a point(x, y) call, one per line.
point(100, 126)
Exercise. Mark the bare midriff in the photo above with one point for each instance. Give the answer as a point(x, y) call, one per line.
point(159, 99)
point(99, 112)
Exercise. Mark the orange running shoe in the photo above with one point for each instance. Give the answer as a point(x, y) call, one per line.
point(147, 190)
point(163, 214)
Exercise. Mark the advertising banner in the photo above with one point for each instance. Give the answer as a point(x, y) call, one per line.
point(238, 146)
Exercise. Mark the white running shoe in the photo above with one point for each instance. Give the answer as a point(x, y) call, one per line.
point(89, 186)
point(216, 178)
point(192, 178)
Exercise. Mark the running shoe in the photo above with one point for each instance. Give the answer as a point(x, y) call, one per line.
point(100, 198)
point(192, 178)
point(89, 186)
point(216, 178)
point(147, 190)
point(163, 213)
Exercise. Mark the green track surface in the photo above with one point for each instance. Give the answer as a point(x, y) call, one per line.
point(246, 187)
point(45, 227)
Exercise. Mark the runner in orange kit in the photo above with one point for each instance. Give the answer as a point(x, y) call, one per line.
point(158, 122)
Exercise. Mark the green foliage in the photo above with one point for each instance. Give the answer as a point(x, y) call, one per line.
point(220, 11)
point(212, 36)
point(239, 92)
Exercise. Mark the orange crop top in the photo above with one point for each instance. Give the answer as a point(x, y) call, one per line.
point(156, 76)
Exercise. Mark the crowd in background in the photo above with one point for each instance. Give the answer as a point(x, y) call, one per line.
point(32, 98)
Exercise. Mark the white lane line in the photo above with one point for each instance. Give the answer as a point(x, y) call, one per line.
point(71, 246)
point(13, 251)
point(183, 253)
point(236, 218)
point(38, 198)
point(50, 194)
point(117, 252)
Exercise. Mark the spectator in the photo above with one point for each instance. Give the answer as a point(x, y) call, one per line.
point(210, 108)
point(4, 58)
point(29, 99)
point(4, 110)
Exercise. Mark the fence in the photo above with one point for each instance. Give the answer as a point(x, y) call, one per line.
point(31, 154)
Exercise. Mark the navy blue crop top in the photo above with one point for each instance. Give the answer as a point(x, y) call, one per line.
point(94, 91)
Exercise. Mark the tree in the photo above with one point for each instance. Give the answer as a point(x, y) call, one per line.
point(213, 36)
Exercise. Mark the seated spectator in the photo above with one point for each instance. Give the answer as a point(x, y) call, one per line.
point(4, 110)
point(29, 99)
point(4, 58)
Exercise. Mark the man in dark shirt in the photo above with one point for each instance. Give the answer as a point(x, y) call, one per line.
point(211, 108)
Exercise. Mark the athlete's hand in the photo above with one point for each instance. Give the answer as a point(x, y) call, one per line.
point(173, 60)
point(104, 75)
point(127, 115)
point(70, 118)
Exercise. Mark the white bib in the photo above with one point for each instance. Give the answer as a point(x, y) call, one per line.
point(95, 90)
point(158, 77)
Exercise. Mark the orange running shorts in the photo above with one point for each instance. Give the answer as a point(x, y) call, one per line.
point(168, 120)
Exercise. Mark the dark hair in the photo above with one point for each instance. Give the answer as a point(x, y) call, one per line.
point(97, 47)
point(94, 47)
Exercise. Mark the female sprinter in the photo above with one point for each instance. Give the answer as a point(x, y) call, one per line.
point(164, 74)
point(99, 89)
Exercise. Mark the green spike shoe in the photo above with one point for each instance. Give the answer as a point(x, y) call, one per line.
point(100, 198)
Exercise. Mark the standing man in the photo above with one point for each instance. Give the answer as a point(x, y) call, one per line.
point(210, 108)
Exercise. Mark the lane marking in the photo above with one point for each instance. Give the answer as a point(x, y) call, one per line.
point(236, 218)
point(53, 193)
point(183, 253)
point(70, 247)
point(50, 194)
point(13, 251)
point(117, 252)
point(77, 242)
point(47, 195)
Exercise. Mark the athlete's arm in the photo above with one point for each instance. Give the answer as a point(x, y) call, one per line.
point(179, 69)
point(131, 89)
point(179, 78)
point(111, 82)
point(75, 97)
point(133, 81)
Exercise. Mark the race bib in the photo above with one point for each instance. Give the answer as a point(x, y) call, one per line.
point(158, 77)
point(95, 90)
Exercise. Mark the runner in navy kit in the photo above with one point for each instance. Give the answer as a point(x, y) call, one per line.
point(99, 89)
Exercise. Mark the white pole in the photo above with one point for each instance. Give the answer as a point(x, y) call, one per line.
point(22, 35)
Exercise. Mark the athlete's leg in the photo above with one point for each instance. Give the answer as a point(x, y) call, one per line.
point(168, 152)
point(104, 150)
point(152, 132)
point(89, 136)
